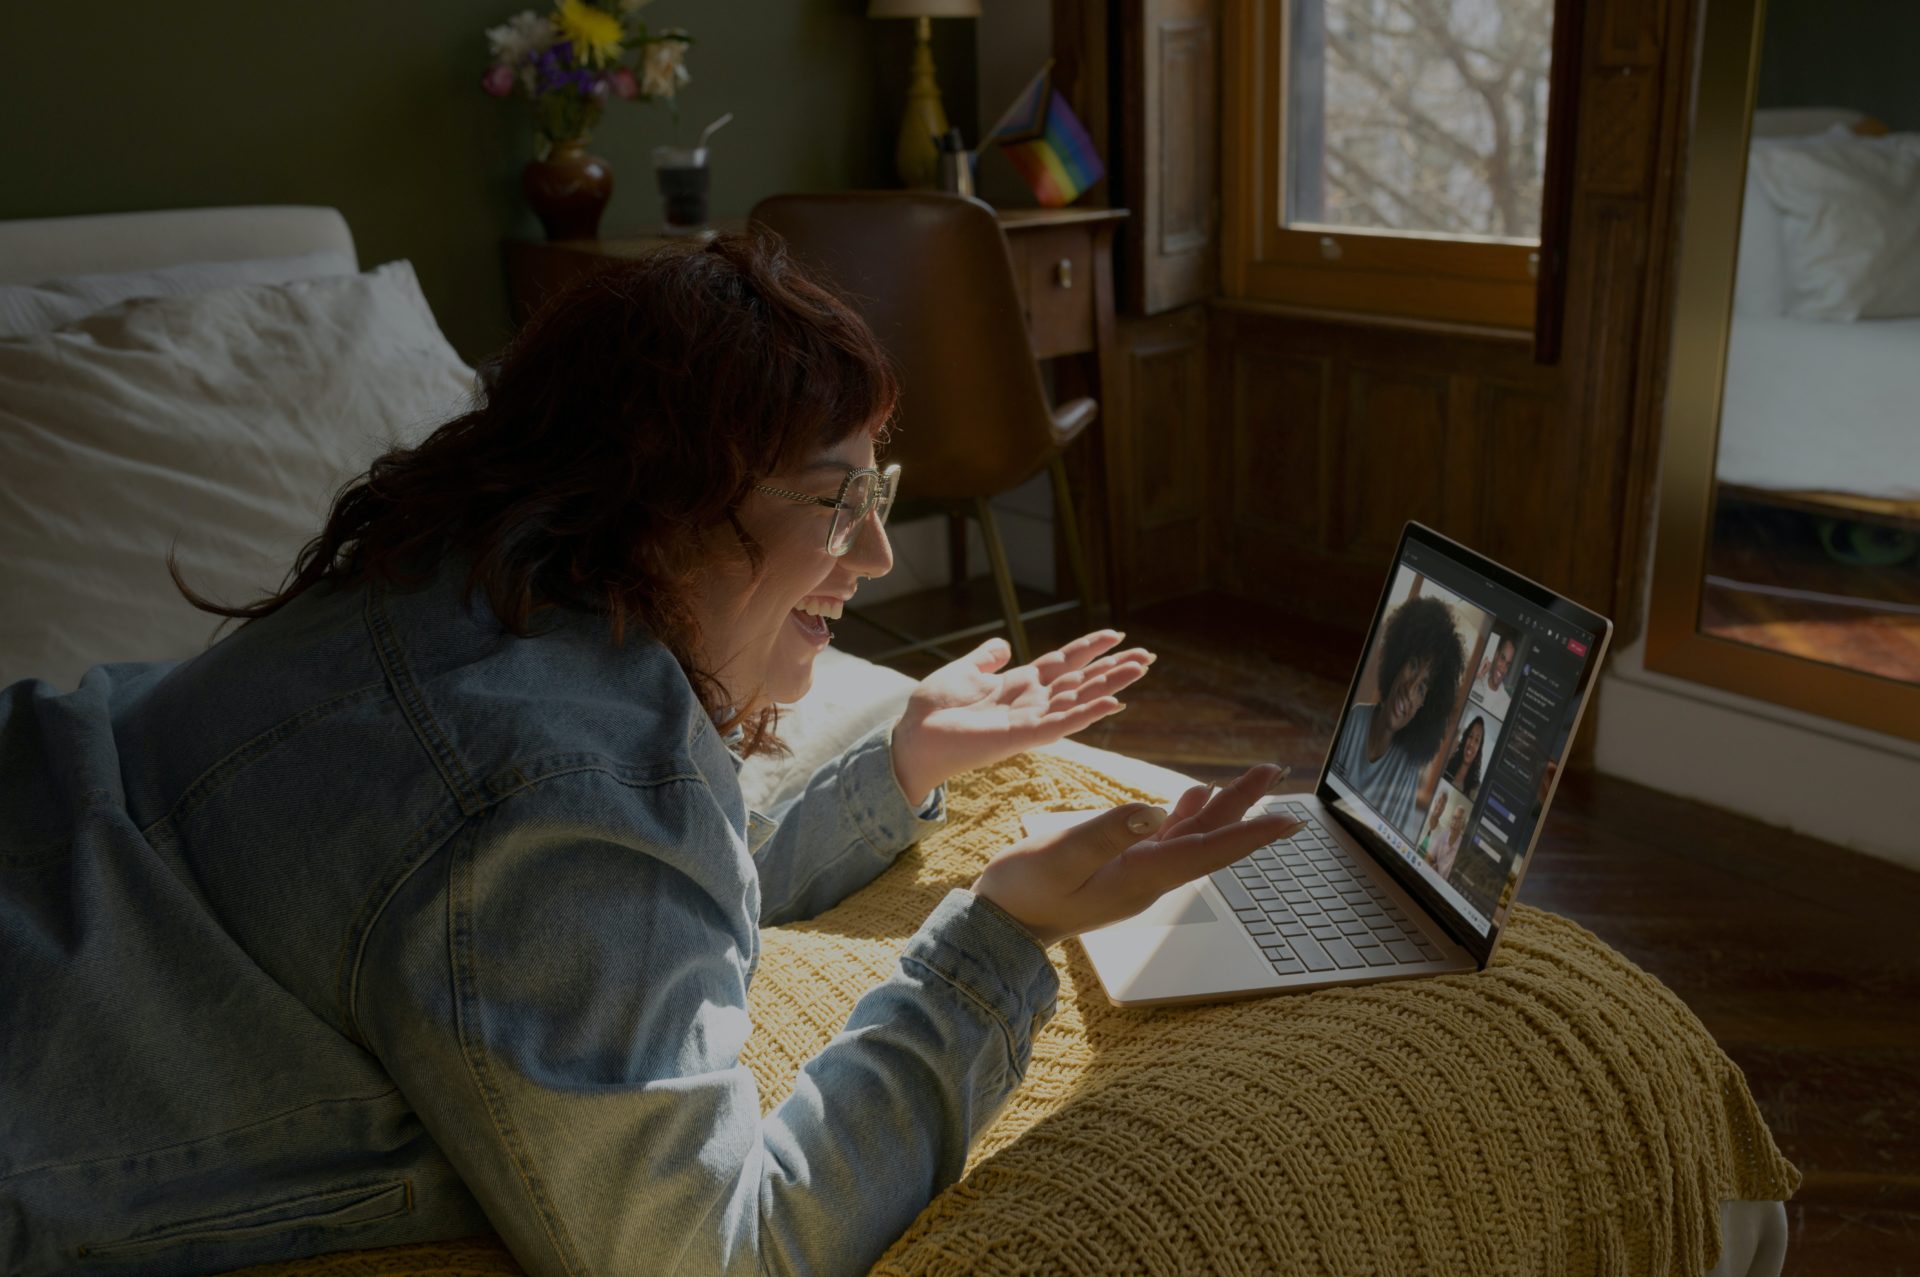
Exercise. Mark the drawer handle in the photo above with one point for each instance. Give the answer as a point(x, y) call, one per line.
point(1063, 272)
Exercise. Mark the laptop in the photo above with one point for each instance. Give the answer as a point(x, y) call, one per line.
point(1448, 750)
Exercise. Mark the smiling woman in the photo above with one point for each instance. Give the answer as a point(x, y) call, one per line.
point(427, 900)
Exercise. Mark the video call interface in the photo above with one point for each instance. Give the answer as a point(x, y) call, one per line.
point(1464, 698)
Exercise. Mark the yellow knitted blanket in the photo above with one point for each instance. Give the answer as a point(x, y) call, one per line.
point(1559, 1113)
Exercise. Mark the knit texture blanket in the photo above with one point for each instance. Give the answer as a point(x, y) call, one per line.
point(1560, 1113)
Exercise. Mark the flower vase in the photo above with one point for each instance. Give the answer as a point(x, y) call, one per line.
point(568, 189)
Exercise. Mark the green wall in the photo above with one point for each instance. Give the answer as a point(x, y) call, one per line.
point(374, 107)
point(1863, 54)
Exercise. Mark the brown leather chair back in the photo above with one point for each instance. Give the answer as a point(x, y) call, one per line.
point(931, 275)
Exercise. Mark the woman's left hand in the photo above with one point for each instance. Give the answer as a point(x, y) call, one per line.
point(968, 713)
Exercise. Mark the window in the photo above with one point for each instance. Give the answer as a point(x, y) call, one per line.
point(1389, 155)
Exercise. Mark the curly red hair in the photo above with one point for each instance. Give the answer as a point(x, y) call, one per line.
point(630, 416)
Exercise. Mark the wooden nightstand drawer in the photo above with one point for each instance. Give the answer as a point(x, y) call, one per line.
point(1053, 269)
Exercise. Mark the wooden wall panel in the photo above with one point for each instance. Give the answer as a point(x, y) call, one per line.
point(1526, 495)
point(1163, 410)
point(1278, 428)
point(1392, 458)
point(1168, 152)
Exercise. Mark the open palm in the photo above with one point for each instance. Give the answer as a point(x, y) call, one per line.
point(971, 712)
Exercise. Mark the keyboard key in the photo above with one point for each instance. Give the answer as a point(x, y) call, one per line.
point(1377, 956)
point(1248, 914)
point(1261, 928)
point(1229, 886)
point(1428, 950)
point(1324, 930)
point(1354, 928)
point(1276, 951)
point(1288, 966)
point(1291, 928)
point(1315, 958)
point(1343, 954)
point(1404, 950)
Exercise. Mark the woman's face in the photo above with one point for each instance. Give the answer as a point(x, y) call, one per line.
point(1470, 746)
point(1408, 692)
point(763, 630)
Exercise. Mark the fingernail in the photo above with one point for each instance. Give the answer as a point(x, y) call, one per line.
point(1151, 658)
point(1147, 821)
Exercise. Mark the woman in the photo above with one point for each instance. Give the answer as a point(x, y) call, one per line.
point(1386, 744)
point(1442, 843)
point(427, 901)
point(1463, 765)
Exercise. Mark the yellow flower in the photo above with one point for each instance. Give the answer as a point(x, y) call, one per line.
point(595, 32)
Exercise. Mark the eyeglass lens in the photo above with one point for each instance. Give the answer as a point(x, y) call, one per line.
point(866, 494)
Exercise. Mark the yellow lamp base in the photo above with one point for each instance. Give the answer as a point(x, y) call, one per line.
point(916, 156)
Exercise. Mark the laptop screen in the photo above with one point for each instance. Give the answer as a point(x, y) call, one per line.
point(1470, 685)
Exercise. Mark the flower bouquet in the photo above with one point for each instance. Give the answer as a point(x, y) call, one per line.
point(566, 64)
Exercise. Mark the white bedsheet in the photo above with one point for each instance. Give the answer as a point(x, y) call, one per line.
point(1823, 407)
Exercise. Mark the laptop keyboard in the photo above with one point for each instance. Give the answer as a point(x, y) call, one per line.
point(1310, 909)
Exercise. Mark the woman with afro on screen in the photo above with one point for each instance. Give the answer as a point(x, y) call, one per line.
point(1388, 743)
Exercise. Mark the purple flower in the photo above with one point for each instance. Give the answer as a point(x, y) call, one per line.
point(498, 81)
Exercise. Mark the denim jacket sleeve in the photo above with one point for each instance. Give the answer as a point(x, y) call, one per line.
point(835, 836)
point(560, 993)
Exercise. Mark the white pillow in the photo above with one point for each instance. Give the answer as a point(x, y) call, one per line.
point(1850, 209)
point(1760, 274)
point(1799, 121)
point(223, 422)
point(50, 304)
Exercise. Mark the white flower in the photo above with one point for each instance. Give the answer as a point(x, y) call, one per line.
point(663, 68)
point(520, 37)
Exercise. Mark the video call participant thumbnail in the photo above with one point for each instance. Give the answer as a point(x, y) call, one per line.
point(1468, 758)
point(1388, 743)
point(1493, 685)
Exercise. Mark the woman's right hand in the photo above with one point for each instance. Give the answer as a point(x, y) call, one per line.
point(1116, 864)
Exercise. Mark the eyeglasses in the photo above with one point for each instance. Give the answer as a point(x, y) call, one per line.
point(866, 491)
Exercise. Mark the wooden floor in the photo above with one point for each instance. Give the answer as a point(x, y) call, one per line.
point(1757, 549)
point(1799, 957)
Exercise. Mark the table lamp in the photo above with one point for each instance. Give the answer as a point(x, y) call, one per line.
point(925, 119)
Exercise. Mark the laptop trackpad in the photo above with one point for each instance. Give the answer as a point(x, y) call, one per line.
point(1181, 905)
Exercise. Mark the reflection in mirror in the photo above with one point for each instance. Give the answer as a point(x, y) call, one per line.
point(1815, 537)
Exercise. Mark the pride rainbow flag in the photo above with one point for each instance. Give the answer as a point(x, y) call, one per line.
point(1047, 144)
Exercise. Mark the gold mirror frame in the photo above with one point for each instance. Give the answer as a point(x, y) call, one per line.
point(1729, 71)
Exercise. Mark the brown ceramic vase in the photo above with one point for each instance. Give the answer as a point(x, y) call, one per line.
point(568, 190)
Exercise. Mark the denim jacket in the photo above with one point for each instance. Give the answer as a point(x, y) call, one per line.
point(374, 924)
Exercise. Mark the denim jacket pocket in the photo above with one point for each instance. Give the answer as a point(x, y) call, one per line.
point(332, 1209)
point(759, 829)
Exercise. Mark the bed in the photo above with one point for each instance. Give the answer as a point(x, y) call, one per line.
point(1086, 1087)
point(1820, 414)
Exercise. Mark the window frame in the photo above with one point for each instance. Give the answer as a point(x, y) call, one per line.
point(1481, 282)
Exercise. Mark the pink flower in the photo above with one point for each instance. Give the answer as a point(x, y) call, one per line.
point(498, 81)
point(625, 87)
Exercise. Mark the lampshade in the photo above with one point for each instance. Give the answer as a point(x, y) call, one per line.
point(923, 8)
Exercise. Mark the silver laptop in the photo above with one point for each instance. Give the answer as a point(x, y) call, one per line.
point(1472, 681)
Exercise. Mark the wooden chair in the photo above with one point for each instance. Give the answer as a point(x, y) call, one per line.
point(932, 276)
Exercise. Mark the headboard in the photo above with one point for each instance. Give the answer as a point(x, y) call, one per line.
point(35, 249)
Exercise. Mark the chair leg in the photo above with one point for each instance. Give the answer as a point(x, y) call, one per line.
point(1003, 577)
point(1069, 520)
point(957, 571)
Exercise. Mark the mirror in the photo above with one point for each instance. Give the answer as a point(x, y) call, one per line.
point(1787, 564)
